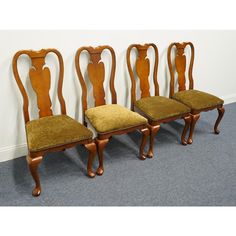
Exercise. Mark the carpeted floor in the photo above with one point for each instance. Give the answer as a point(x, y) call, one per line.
point(201, 174)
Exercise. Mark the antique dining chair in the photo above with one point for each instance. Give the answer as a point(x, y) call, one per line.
point(107, 119)
point(197, 101)
point(157, 109)
point(49, 133)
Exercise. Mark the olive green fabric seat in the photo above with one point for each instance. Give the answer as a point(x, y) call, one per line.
point(112, 117)
point(159, 108)
point(197, 100)
point(52, 131)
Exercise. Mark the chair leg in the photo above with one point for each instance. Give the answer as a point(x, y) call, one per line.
point(101, 143)
point(33, 164)
point(91, 147)
point(194, 119)
point(145, 133)
point(187, 120)
point(153, 131)
point(221, 112)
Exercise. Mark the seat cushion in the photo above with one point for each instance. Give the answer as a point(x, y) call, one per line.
point(197, 100)
point(113, 117)
point(52, 131)
point(159, 108)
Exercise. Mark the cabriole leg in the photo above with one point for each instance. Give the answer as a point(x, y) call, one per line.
point(194, 119)
point(153, 131)
point(91, 147)
point(101, 143)
point(33, 164)
point(221, 112)
point(187, 120)
point(145, 133)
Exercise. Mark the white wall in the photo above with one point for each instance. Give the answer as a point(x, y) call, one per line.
point(214, 70)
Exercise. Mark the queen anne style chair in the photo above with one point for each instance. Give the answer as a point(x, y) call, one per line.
point(157, 109)
point(197, 101)
point(107, 119)
point(50, 132)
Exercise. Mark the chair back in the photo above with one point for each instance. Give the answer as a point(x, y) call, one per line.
point(180, 66)
point(142, 67)
point(40, 79)
point(96, 75)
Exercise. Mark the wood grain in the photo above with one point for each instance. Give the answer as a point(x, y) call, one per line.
point(180, 65)
point(96, 74)
point(142, 66)
point(40, 80)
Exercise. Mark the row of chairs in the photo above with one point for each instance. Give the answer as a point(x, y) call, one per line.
point(52, 133)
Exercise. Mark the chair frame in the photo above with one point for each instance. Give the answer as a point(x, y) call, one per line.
point(99, 97)
point(142, 66)
point(38, 79)
point(181, 68)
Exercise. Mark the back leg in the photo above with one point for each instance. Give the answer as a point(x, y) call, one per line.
point(221, 112)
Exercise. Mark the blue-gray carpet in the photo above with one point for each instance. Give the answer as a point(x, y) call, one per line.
point(201, 174)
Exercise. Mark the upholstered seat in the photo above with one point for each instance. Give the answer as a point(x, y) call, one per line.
point(197, 100)
point(52, 131)
point(159, 108)
point(111, 117)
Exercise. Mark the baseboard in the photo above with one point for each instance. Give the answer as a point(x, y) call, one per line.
point(12, 152)
point(229, 98)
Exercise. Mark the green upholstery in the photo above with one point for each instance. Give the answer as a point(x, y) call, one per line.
point(159, 108)
point(197, 100)
point(52, 131)
point(113, 117)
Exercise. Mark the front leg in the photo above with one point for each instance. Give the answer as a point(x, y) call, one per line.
point(187, 120)
point(221, 112)
point(33, 166)
point(194, 119)
point(145, 132)
point(101, 143)
point(153, 131)
point(91, 147)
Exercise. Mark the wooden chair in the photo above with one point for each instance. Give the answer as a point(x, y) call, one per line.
point(107, 119)
point(50, 132)
point(197, 101)
point(157, 109)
